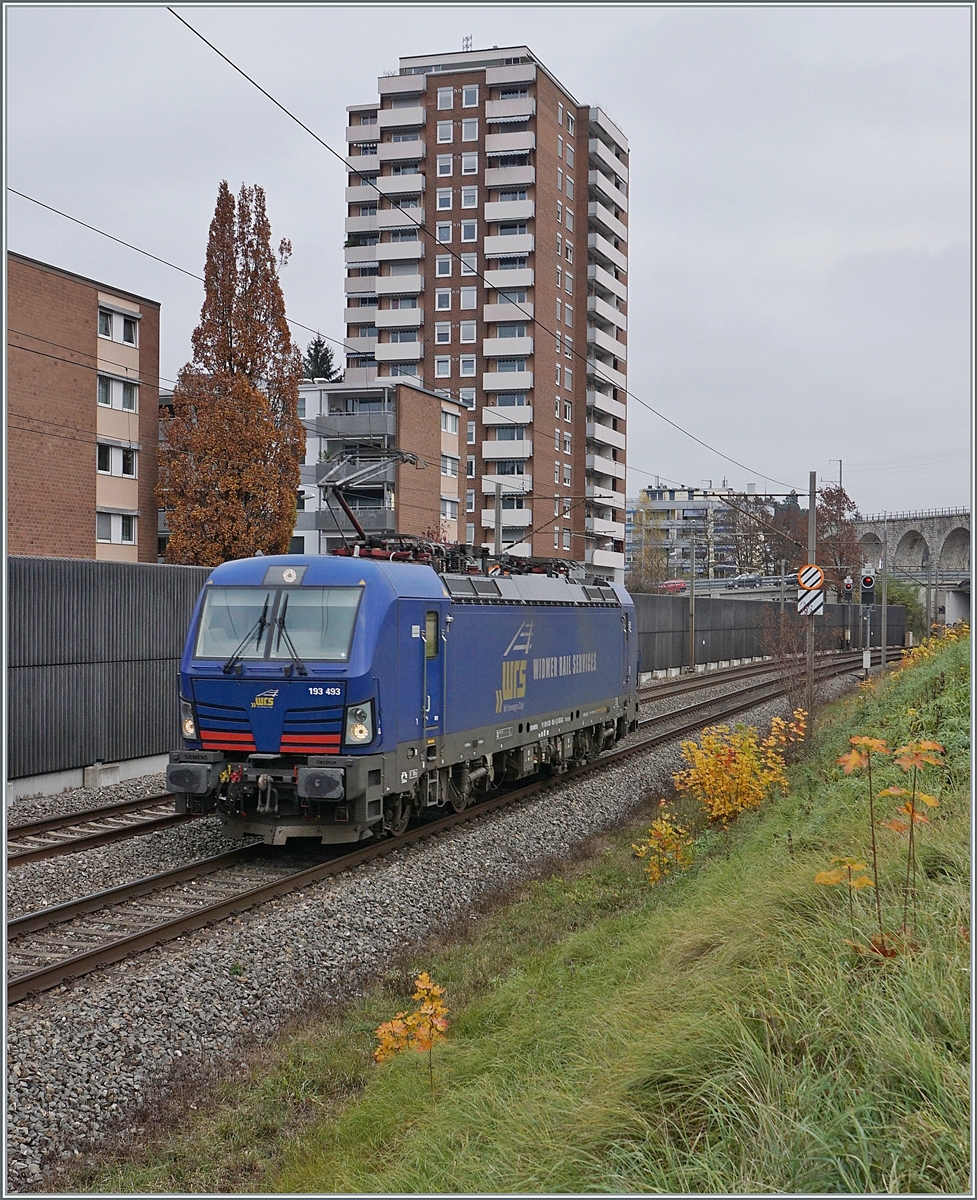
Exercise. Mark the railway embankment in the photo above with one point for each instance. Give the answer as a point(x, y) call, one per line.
point(733, 1028)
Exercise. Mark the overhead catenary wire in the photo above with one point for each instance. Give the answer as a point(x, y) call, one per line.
point(532, 318)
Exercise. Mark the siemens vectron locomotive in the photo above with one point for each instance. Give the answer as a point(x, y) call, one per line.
point(336, 697)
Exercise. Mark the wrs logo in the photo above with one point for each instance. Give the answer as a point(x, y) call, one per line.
point(265, 699)
point(514, 669)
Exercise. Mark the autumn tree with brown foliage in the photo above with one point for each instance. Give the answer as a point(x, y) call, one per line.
point(230, 454)
point(839, 553)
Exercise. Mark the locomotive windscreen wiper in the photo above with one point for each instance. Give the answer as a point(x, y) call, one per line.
point(283, 633)
point(256, 630)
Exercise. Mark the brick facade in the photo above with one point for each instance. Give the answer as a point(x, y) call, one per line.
point(53, 362)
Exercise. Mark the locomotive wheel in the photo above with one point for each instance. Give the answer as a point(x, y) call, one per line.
point(397, 811)
point(458, 801)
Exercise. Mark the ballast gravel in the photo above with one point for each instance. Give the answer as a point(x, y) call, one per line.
point(82, 1061)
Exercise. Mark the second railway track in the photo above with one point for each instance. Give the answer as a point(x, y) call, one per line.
point(66, 941)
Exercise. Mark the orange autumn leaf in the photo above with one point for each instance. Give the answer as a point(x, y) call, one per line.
point(872, 745)
point(853, 761)
point(895, 825)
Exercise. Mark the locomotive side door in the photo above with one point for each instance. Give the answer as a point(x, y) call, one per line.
point(434, 665)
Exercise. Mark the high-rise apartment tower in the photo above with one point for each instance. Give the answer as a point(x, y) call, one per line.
point(486, 256)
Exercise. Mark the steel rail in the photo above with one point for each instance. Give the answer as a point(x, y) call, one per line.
point(681, 685)
point(44, 978)
point(88, 840)
point(29, 828)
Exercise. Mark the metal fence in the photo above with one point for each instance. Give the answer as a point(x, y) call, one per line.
point(93, 658)
point(727, 629)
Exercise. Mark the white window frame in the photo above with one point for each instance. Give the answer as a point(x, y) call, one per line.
point(567, 443)
point(470, 467)
point(556, 440)
point(568, 282)
point(558, 384)
point(469, 298)
point(559, 212)
point(569, 251)
point(569, 188)
point(446, 99)
point(103, 387)
point(567, 378)
point(468, 332)
point(442, 368)
point(567, 469)
point(444, 165)
point(469, 231)
point(469, 95)
point(449, 421)
point(571, 122)
point(105, 315)
point(467, 366)
point(467, 396)
point(469, 163)
point(559, 147)
point(569, 155)
point(567, 314)
point(442, 294)
point(442, 266)
point(443, 233)
point(469, 197)
point(559, 308)
point(443, 199)
point(469, 129)
point(469, 500)
point(559, 179)
point(469, 264)
point(447, 462)
point(567, 410)
point(445, 132)
point(442, 333)
point(566, 539)
point(568, 345)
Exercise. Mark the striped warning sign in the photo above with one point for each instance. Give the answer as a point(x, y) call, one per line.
point(809, 602)
point(810, 577)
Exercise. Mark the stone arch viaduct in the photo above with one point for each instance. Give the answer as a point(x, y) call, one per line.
point(936, 540)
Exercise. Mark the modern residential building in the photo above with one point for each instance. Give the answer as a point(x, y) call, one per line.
point(82, 384)
point(502, 282)
point(364, 422)
point(672, 517)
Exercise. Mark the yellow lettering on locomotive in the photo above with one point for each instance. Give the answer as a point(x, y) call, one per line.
point(513, 682)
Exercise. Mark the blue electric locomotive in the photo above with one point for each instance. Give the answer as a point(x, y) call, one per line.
point(335, 697)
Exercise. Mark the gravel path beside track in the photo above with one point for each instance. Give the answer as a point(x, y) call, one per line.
point(81, 1061)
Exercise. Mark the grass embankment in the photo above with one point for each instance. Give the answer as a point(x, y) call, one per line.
point(715, 1033)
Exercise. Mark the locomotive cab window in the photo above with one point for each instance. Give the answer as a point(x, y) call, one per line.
point(431, 635)
point(251, 623)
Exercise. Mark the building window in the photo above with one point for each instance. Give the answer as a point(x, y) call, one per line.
point(468, 365)
point(569, 220)
point(444, 198)
point(442, 333)
point(558, 408)
point(559, 115)
point(469, 264)
point(104, 390)
point(559, 179)
point(406, 368)
point(559, 245)
point(470, 466)
point(559, 313)
point(566, 444)
point(445, 129)
point(559, 277)
point(470, 533)
point(403, 235)
point(449, 421)
point(567, 378)
point(443, 265)
point(468, 331)
point(510, 399)
point(129, 333)
point(511, 329)
point(568, 282)
point(568, 314)
point(557, 374)
point(443, 233)
point(129, 463)
point(467, 396)
point(444, 164)
point(559, 147)
point(469, 163)
point(469, 197)
point(129, 397)
point(566, 539)
point(566, 474)
point(557, 343)
point(569, 155)
point(568, 345)
point(442, 368)
point(469, 129)
point(449, 510)
point(567, 410)
point(469, 96)
point(570, 124)
point(556, 538)
point(556, 440)
point(510, 466)
point(516, 263)
point(511, 365)
point(559, 212)
point(104, 459)
point(403, 335)
point(469, 231)
point(471, 433)
point(300, 407)
point(556, 472)
point(104, 327)
point(470, 500)
point(442, 299)
point(446, 98)
point(103, 527)
point(569, 188)
point(449, 466)
point(567, 505)
point(569, 251)
point(469, 297)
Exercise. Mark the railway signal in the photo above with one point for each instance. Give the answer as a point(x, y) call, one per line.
point(849, 589)
point(868, 588)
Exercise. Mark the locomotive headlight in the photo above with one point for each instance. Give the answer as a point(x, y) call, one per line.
point(359, 723)
point(188, 722)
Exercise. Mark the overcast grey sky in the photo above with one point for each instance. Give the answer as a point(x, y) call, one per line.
point(800, 286)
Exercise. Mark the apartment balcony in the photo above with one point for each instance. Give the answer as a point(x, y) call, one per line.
point(360, 345)
point(519, 109)
point(611, 529)
point(606, 435)
point(398, 285)
point(399, 352)
point(601, 249)
point(605, 187)
point(372, 520)
point(357, 285)
point(605, 466)
point(607, 374)
point(605, 221)
point(520, 449)
point(513, 485)
point(515, 73)
point(400, 185)
point(361, 224)
point(386, 473)
point(603, 278)
point(600, 152)
point(517, 243)
point(398, 218)
point(507, 381)
point(607, 312)
point(396, 318)
point(604, 404)
point(521, 277)
point(361, 255)
point(508, 312)
point(510, 210)
point(597, 337)
point(608, 559)
point(507, 414)
point(510, 143)
point(401, 118)
point(356, 425)
point(401, 151)
point(606, 496)
point(362, 193)
point(507, 347)
point(520, 518)
point(510, 176)
point(402, 85)
point(361, 376)
point(365, 164)
point(361, 133)
point(399, 251)
point(600, 120)
point(360, 316)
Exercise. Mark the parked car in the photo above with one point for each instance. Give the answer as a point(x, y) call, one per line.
point(673, 585)
point(747, 581)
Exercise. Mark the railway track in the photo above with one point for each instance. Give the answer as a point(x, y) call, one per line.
point(71, 832)
point(64, 942)
point(683, 684)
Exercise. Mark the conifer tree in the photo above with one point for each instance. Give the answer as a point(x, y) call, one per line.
point(319, 361)
point(230, 454)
